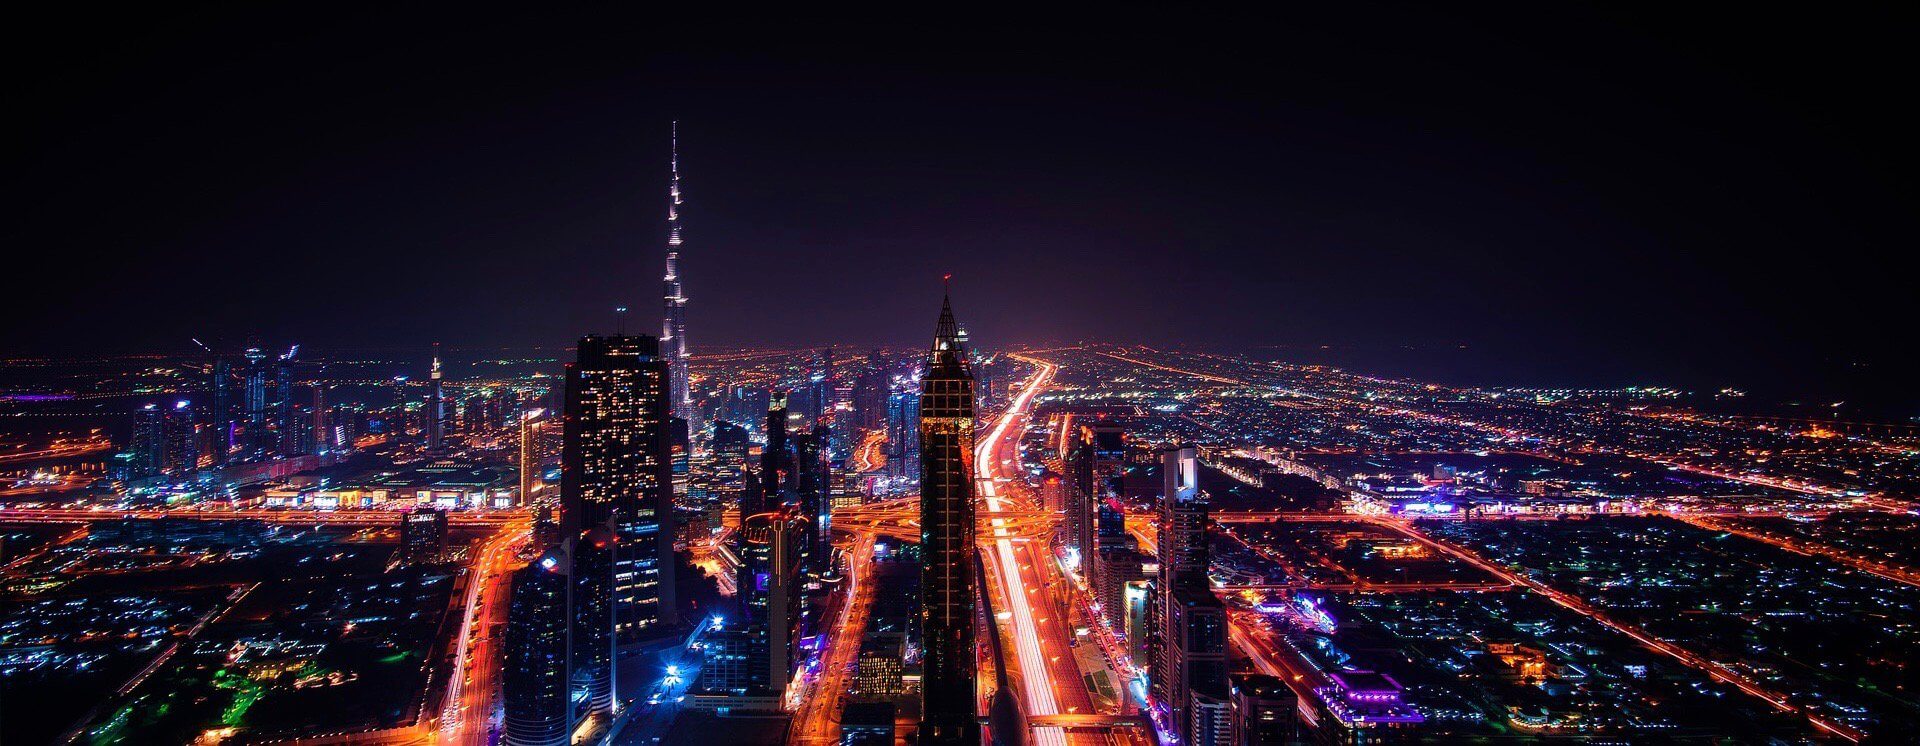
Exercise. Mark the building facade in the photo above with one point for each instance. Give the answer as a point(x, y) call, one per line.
point(947, 532)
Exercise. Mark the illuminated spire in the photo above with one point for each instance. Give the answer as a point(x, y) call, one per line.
point(673, 189)
point(948, 359)
point(673, 319)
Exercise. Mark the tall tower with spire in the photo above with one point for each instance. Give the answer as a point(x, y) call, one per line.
point(949, 588)
point(673, 320)
point(436, 406)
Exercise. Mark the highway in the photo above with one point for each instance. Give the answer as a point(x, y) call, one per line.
point(368, 517)
point(818, 720)
point(1037, 596)
point(1005, 564)
point(473, 687)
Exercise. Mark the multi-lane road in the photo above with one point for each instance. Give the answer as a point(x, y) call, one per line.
point(818, 720)
point(473, 686)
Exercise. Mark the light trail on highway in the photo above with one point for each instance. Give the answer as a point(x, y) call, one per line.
point(468, 709)
point(1034, 677)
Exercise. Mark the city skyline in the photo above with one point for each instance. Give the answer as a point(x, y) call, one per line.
point(1376, 374)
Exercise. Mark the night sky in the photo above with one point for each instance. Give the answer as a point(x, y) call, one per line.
point(1577, 195)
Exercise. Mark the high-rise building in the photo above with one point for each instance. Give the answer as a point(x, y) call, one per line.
point(617, 477)
point(729, 446)
point(258, 380)
point(594, 613)
point(436, 405)
point(290, 416)
point(1262, 710)
point(812, 481)
point(947, 713)
point(1095, 463)
point(776, 460)
point(673, 323)
point(903, 434)
point(147, 448)
point(181, 433)
point(220, 413)
point(540, 445)
point(1189, 666)
point(536, 680)
point(423, 537)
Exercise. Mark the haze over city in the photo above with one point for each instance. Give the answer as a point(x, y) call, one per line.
point(1150, 377)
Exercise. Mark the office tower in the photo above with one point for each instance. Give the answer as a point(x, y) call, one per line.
point(673, 324)
point(1137, 625)
point(817, 396)
point(220, 414)
point(436, 405)
point(1095, 463)
point(289, 414)
point(616, 497)
point(536, 688)
point(729, 447)
point(423, 537)
point(785, 550)
point(539, 446)
point(258, 375)
point(1189, 670)
point(1262, 710)
point(903, 434)
point(776, 461)
point(181, 434)
point(1120, 567)
point(147, 448)
point(594, 615)
point(812, 481)
point(870, 395)
point(1182, 521)
point(317, 439)
point(947, 539)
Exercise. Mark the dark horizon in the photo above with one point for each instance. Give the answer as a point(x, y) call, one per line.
point(1576, 195)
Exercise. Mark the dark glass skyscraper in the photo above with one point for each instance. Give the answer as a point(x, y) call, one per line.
point(538, 649)
point(947, 539)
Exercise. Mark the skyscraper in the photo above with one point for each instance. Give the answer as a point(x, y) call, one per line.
point(903, 434)
point(1189, 668)
point(776, 460)
point(436, 405)
point(535, 690)
point(220, 413)
point(947, 539)
point(260, 442)
point(673, 323)
point(729, 459)
point(616, 474)
point(812, 480)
